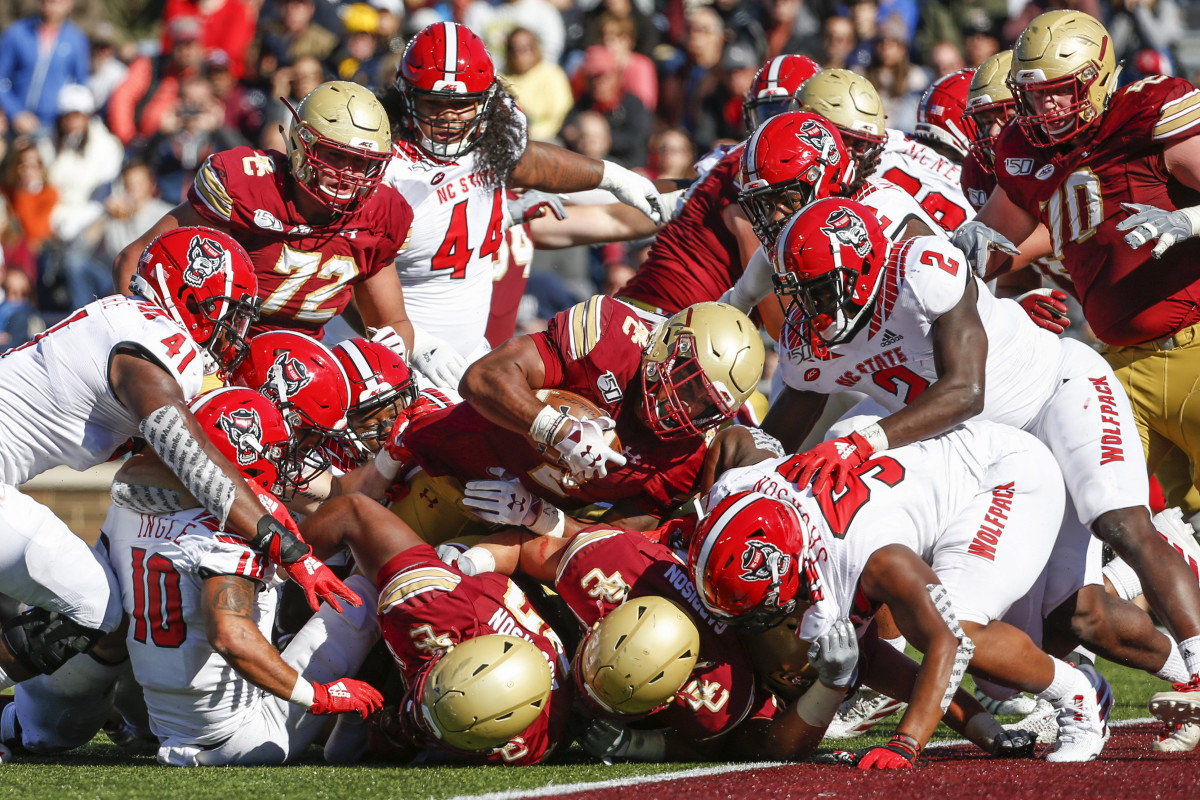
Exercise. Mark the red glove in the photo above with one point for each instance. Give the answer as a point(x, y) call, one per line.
point(829, 462)
point(345, 695)
point(896, 754)
point(280, 541)
point(1047, 308)
point(419, 408)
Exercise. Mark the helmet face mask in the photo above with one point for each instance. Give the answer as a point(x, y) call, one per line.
point(990, 105)
point(775, 88)
point(679, 399)
point(770, 207)
point(381, 385)
point(442, 123)
point(339, 145)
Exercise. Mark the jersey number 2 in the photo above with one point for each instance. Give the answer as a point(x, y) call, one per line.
point(455, 253)
point(840, 511)
point(157, 602)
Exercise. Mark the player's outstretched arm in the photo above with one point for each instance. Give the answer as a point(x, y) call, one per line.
point(501, 384)
point(588, 225)
point(1008, 219)
point(229, 623)
point(551, 168)
point(373, 534)
point(127, 260)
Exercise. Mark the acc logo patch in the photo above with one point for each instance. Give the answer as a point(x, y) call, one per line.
point(1018, 166)
point(1045, 172)
point(762, 561)
point(812, 374)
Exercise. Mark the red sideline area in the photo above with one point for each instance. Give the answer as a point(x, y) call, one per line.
point(1126, 769)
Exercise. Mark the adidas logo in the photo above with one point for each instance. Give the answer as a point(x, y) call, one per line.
point(845, 449)
point(889, 338)
point(339, 690)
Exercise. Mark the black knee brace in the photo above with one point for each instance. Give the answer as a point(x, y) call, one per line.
point(43, 640)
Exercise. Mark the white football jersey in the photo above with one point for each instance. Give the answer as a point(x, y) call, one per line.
point(894, 208)
point(911, 496)
point(447, 263)
point(892, 360)
point(56, 405)
point(194, 697)
point(932, 179)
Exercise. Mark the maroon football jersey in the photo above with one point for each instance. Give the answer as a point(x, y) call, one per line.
point(593, 349)
point(1128, 296)
point(426, 606)
point(695, 257)
point(305, 274)
point(602, 567)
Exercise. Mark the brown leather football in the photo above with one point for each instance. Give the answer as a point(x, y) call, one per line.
point(578, 407)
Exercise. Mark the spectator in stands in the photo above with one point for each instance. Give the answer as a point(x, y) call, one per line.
point(790, 26)
point(865, 16)
point(108, 71)
point(955, 21)
point(638, 73)
point(151, 89)
point(190, 133)
point(294, 83)
point(38, 56)
point(295, 35)
point(226, 25)
point(688, 79)
point(588, 133)
point(628, 119)
point(898, 81)
point(15, 253)
point(31, 197)
point(540, 87)
point(946, 58)
point(493, 23)
point(19, 321)
point(243, 106)
point(1019, 22)
point(721, 119)
point(838, 42)
point(81, 159)
point(980, 41)
point(1138, 25)
point(672, 155)
point(645, 36)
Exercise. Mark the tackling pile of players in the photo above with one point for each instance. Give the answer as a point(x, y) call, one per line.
point(568, 538)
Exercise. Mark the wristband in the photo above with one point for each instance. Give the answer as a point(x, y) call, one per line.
point(902, 741)
point(550, 521)
point(385, 465)
point(303, 693)
point(1193, 216)
point(546, 424)
point(475, 561)
point(874, 436)
point(818, 706)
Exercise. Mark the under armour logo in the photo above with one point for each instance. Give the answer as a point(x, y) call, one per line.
point(429, 499)
point(517, 504)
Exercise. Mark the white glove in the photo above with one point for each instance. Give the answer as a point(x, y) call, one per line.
point(1149, 223)
point(389, 339)
point(584, 451)
point(533, 204)
point(977, 240)
point(834, 655)
point(673, 203)
point(754, 285)
point(449, 553)
point(437, 360)
point(504, 501)
point(633, 190)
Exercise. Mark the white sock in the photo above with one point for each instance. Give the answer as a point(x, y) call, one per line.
point(899, 642)
point(1124, 580)
point(1173, 669)
point(1065, 683)
point(1190, 650)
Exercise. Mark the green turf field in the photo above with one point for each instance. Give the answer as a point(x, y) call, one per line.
point(101, 770)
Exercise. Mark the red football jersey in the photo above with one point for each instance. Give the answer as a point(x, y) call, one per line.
point(593, 349)
point(1128, 296)
point(602, 567)
point(695, 257)
point(508, 284)
point(305, 274)
point(426, 606)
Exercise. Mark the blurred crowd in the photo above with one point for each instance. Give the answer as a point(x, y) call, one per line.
point(108, 107)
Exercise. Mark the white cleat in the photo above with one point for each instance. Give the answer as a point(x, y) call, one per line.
point(860, 713)
point(1179, 706)
point(1019, 705)
point(1178, 739)
point(1083, 720)
point(1041, 723)
point(1180, 535)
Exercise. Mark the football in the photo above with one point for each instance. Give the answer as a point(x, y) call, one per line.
point(578, 407)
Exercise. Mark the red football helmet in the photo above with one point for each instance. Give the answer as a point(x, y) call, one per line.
point(790, 161)
point(830, 263)
point(446, 62)
point(248, 430)
point(942, 109)
point(776, 88)
point(746, 560)
point(204, 280)
point(381, 384)
point(306, 382)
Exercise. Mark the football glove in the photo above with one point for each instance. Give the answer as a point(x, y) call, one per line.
point(828, 464)
point(633, 190)
point(585, 453)
point(533, 204)
point(345, 695)
point(834, 655)
point(1047, 308)
point(1149, 223)
point(437, 360)
point(977, 240)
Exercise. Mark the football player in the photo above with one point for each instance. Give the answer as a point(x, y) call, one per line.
point(503, 700)
point(912, 531)
point(117, 368)
point(852, 290)
point(663, 391)
point(200, 614)
point(460, 140)
point(1108, 171)
point(319, 226)
point(928, 163)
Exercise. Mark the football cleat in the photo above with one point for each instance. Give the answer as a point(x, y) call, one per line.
point(1180, 535)
point(1019, 705)
point(1083, 719)
point(1179, 706)
point(1041, 722)
point(862, 712)
point(1177, 738)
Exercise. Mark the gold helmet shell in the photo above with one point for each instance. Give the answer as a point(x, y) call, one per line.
point(850, 102)
point(700, 366)
point(1067, 52)
point(987, 96)
point(639, 656)
point(339, 144)
point(485, 691)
